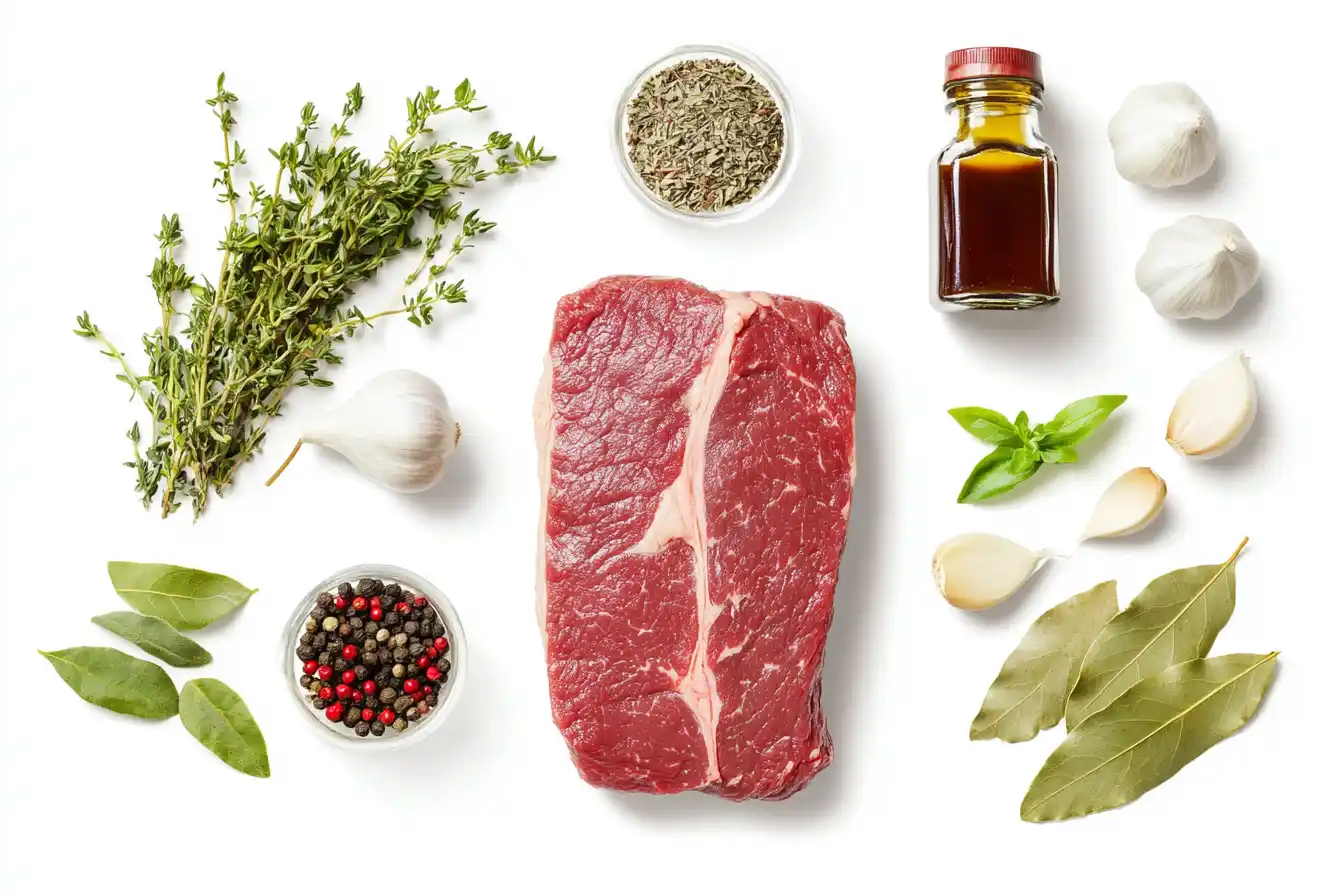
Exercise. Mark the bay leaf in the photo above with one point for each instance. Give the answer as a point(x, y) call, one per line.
point(1175, 619)
point(1147, 735)
point(155, 637)
point(184, 598)
point(218, 718)
point(1030, 692)
point(117, 681)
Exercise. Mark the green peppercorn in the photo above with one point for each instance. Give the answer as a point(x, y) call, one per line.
point(382, 636)
point(315, 686)
point(400, 639)
point(330, 624)
point(398, 670)
point(370, 644)
point(403, 703)
point(369, 658)
point(356, 624)
point(400, 725)
point(309, 626)
point(387, 695)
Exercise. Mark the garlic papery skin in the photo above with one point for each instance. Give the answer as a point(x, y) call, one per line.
point(1163, 136)
point(1197, 267)
point(1215, 410)
point(396, 430)
point(1128, 505)
point(978, 571)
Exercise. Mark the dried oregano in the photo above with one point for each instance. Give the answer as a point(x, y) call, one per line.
point(704, 135)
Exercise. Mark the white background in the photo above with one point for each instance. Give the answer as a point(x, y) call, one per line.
point(105, 128)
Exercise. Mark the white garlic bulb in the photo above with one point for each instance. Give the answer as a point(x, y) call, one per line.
point(396, 430)
point(1128, 505)
point(1197, 267)
point(1163, 135)
point(1215, 410)
point(978, 571)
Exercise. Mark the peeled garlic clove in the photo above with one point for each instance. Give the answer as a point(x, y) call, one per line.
point(1216, 409)
point(1128, 505)
point(396, 430)
point(977, 571)
point(1197, 267)
point(1163, 136)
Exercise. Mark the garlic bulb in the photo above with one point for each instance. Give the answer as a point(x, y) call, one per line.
point(396, 430)
point(1163, 136)
point(1197, 267)
point(1215, 410)
point(977, 571)
point(1128, 505)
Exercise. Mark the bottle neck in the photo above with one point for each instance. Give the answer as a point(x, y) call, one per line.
point(996, 110)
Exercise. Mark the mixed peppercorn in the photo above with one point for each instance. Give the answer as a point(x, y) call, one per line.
point(374, 655)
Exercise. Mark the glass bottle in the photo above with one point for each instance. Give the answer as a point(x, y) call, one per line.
point(995, 186)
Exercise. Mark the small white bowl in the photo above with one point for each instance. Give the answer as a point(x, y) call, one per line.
point(769, 191)
point(449, 687)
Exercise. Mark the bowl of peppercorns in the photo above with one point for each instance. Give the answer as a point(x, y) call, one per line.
point(375, 656)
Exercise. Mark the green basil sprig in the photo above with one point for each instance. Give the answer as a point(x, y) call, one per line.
point(1021, 449)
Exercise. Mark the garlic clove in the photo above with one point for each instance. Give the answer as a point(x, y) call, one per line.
point(1128, 505)
point(1163, 135)
point(978, 571)
point(1197, 267)
point(1215, 410)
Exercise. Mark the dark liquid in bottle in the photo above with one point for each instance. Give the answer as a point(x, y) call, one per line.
point(996, 210)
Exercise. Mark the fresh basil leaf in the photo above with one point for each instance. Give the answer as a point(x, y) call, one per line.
point(155, 637)
point(1025, 460)
point(994, 475)
point(1064, 455)
point(218, 718)
point(184, 598)
point(1023, 427)
point(1077, 421)
point(986, 425)
point(114, 680)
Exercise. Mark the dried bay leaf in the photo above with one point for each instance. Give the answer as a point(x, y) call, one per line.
point(155, 637)
point(1030, 692)
point(1173, 620)
point(114, 680)
point(218, 718)
point(184, 598)
point(1147, 735)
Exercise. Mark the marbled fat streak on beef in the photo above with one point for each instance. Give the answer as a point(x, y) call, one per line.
point(697, 465)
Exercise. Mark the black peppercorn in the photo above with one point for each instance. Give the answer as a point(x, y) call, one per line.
point(344, 630)
point(383, 677)
point(417, 648)
point(400, 654)
point(412, 714)
point(346, 591)
point(356, 623)
point(385, 656)
point(370, 645)
point(411, 628)
point(363, 728)
point(352, 717)
point(403, 703)
point(369, 658)
point(307, 652)
point(432, 699)
point(428, 614)
point(306, 638)
point(316, 613)
point(391, 620)
point(324, 658)
point(361, 673)
point(320, 640)
point(305, 681)
point(319, 703)
point(324, 600)
point(377, 729)
point(439, 630)
point(444, 663)
point(370, 587)
point(339, 664)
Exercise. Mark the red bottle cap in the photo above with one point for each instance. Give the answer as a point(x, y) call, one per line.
point(975, 63)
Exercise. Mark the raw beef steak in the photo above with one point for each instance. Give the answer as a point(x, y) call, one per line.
point(697, 463)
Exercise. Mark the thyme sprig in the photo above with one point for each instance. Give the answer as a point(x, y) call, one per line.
point(292, 256)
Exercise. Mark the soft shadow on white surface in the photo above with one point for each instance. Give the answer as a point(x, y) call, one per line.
point(849, 648)
point(461, 483)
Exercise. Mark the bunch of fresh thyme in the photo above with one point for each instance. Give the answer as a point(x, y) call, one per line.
point(292, 257)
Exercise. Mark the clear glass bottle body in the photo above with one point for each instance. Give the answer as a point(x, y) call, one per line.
point(995, 189)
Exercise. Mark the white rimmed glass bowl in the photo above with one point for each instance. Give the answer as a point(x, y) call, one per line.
point(449, 687)
point(772, 188)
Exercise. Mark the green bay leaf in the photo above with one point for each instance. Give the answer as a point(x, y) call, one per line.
point(1029, 694)
point(117, 681)
point(1147, 735)
point(218, 718)
point(155, 637)
point(184, 598)
point(1173, 620)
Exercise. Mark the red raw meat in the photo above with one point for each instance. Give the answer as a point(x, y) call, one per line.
point(697, 464)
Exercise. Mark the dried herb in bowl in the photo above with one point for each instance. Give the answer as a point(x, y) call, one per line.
point(704, 135)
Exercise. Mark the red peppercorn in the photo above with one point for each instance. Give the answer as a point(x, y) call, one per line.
point(440, 643)
point(370, 686)
point(366, 714)
point(360, 604)
point(433, 673)
point(324, 693)
point(339, 603)
point(348, 676)
point(420, 601)
point(349, 651)
point(324, 672)
point(343, 692)
point(387, 716)
point(411, 686)
point(310, 667)
point(431, 653)
point(375, 602)
point(403, 607)
point(376, 614)
point(335, 711)
point(423, 661)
